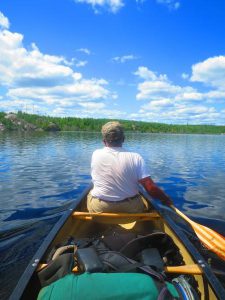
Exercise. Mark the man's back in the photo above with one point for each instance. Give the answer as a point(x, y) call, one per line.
point(115, 173)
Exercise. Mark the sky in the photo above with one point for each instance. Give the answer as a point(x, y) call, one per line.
point(148, 60)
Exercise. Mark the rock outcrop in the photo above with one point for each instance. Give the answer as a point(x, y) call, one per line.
point(19, 123)
point(13, 122)
point(52, 127)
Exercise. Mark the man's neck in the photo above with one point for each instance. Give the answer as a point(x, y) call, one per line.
point(111, 146)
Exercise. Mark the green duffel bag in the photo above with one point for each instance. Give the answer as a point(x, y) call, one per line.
point(107, 286)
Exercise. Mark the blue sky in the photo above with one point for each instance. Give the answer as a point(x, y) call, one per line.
point(149, 60)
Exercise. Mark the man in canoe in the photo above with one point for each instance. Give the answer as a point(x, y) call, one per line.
point(116, 174)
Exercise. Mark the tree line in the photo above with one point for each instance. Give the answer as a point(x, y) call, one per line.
point(90, 124)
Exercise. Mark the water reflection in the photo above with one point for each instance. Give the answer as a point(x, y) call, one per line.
point(43, 170)
point(40, 174)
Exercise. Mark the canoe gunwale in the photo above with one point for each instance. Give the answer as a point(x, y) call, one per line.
point(30, 269)
point(208, 275)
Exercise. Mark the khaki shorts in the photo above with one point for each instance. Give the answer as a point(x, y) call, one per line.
point(135, 205)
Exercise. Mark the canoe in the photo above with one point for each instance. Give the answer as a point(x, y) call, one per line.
point(76, 222)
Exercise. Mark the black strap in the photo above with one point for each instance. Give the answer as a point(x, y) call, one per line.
point(56, 269)
point(129, 267)
point(117, 261)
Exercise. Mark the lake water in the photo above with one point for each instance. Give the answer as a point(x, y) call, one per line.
point(40, 174)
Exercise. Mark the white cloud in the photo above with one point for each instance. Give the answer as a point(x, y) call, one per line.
point(184, 75)
point(160, 87)
point(93, 112)
point(167, 102)
point(84, 50)
point(76, 62)
point(156, 89)
point(81, 63)
point(195, 110)
point(92, 105)
point(4, 22)
point(155, 86)
point(180, 114)
point(44, 80)
point(171, 4)
point(111, 5)
point(190, 95)
point(81, 90)
point(147, 74)
point(19, 66)
point(124, 58)
point(115, 5)
point(216, 94)
point(157, 105)
point(211, 72)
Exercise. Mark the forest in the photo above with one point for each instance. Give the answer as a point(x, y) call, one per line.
point(17, 121)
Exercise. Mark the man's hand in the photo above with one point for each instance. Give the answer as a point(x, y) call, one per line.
point(168, 201)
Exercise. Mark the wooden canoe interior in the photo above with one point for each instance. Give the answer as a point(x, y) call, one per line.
point(82, 224)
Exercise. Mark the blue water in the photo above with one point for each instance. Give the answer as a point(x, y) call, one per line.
point(41, 174)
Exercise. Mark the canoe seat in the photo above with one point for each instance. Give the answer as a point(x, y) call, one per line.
point(116, 218)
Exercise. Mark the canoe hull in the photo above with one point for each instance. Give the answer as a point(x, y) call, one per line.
point(72, 224)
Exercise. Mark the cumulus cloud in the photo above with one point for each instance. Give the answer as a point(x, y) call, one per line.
point(167, 102)
point(81, 90)
point(124, 58)
point(180, 114)
point(147, 74)
point(91, 110)
point(111, 5)
point(157, 105)
point(216, 94)
point(157, 86)
point(19, 66)
point(4, 22)
point(92, 105)
point(211, 72)
point(41, 79)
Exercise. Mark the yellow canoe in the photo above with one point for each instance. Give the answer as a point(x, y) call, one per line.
point(79, 223)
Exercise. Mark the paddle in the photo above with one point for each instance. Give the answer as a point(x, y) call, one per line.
point(212, 240)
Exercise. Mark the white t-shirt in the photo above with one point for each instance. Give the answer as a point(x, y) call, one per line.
point(115, 173)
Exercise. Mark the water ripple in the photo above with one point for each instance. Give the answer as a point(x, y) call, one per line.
point(41, 174)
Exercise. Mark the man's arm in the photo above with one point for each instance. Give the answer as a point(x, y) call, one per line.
point(155, 191)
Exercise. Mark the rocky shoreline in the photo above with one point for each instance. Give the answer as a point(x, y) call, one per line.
point(16, 123)
point(24, 122)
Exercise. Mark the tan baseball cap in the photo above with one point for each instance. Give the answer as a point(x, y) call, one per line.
point(112, 131)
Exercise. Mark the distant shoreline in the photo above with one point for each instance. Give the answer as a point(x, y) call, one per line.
point(25, 122)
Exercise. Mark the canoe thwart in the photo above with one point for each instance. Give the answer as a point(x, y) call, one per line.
point(116, 216)
point(193, 269)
